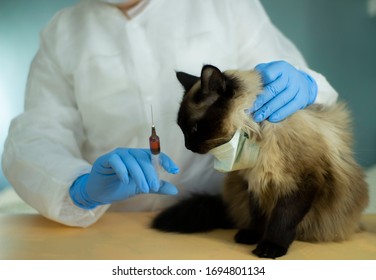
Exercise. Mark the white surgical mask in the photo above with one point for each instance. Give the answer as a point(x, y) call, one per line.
point(238, 153)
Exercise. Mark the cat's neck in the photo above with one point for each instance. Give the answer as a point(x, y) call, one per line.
point(250, 85)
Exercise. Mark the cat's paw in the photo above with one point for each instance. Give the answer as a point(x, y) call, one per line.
point(269, 250)
point(246, 236)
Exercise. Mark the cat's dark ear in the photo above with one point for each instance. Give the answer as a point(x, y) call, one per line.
point(212, 80)
point(186, 80)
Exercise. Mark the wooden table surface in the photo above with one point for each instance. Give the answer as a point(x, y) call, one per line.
point(125, 236)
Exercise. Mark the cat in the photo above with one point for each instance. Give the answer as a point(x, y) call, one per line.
point(305, 184)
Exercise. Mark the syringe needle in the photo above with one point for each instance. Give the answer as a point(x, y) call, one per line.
point(152, 117)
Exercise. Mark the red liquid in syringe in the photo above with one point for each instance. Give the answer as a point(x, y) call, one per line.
point(155, 145)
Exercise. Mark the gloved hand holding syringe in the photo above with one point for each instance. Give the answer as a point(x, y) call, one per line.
point(123, 173)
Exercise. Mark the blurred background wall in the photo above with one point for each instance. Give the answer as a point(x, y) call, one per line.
point(337, 38)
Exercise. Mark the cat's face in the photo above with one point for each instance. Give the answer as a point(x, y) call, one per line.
point(204, 109)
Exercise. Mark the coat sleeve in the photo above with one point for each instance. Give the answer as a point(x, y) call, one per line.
point(260, 41)
point(42, 154)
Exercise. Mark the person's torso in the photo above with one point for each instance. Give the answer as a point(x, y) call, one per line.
point(125, 65)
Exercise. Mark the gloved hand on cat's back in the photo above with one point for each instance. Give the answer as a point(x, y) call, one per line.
point(286, 90)
point(119, 175)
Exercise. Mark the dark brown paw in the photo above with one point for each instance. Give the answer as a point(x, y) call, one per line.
point(269, 250)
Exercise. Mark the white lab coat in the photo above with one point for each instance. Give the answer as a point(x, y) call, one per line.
point(94, 77)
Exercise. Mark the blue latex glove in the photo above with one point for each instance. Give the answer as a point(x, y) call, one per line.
point(286, 90)
point(121, 174)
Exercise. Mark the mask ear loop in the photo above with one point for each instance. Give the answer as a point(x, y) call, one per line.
point(247, 153)
point(249, 126)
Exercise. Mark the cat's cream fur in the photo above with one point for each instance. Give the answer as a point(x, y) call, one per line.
point(304, 185)
point(318, 139)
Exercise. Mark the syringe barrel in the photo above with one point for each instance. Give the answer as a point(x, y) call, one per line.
point(157, 165)
point(155, 147)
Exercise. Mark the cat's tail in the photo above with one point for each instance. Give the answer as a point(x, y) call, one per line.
point(199, 213)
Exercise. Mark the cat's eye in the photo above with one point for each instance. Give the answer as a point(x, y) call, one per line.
point(194, 128)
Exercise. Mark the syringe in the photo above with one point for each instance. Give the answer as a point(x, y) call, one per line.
point(155, 146)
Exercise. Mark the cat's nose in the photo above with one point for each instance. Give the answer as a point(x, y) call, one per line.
point(188, 145)
point(193, 148)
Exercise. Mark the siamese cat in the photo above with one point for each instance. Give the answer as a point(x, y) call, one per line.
point(304, 183)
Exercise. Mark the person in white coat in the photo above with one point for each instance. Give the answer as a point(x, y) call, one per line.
point(78, 148)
